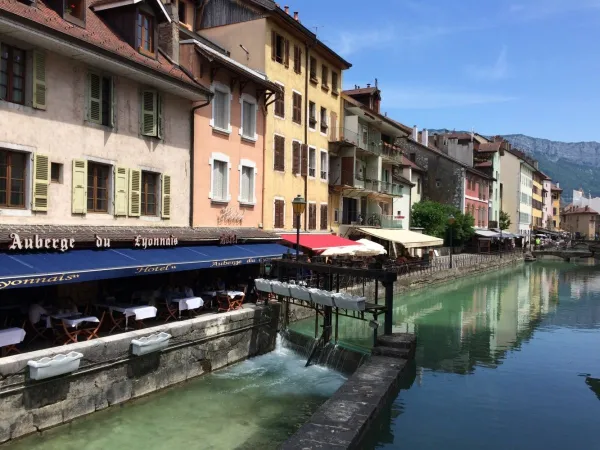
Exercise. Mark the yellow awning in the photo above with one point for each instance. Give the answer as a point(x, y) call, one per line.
point(409, 239)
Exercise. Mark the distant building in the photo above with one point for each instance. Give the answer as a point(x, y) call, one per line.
point(580, 220)
point(547, 203)
point(556, 217)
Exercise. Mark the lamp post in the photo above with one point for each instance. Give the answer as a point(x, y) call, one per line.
point(501, 242)
point(451, 222)
point(299, 205)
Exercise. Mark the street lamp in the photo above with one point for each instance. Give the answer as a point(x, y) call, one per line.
point(451, 222)
point(299, 205)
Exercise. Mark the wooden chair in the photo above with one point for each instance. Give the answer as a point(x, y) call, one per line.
point(6, 350)
point(169, 311)
point(38, 330)
point(223, 302)
point(64, 335)
point(236, 302)
point(92, 332)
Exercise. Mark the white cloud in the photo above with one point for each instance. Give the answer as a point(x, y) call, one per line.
point(497, 71)
point(348, 43)
point(430, 98)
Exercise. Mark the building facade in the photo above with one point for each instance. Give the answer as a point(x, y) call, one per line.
point(301, 122)
point(477, 201)
point(547, 216)
point(580, 221)
point(537, 200)
point(525, 198)
point(556, 207)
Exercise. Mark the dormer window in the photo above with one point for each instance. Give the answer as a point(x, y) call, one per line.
point(74, 11)
point(145, 33)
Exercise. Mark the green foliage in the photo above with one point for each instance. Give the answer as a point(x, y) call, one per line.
point(433, 217)
point(504, 220)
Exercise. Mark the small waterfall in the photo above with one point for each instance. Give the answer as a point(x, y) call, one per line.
point(333, 356)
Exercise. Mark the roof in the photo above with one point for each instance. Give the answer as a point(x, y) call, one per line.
point(555, 188)
point(489, 147)
point(403, 180)
point(101, 5)
point(409, 239)
point(361, 91)
point(478, 172)
point(579, 210)
point(96, 35)
point(319, 241)
point(365, 108)
point(484, 164)
point(233, 64)
point(412, 165)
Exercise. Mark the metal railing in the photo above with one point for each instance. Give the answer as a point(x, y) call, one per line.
point(377, 147)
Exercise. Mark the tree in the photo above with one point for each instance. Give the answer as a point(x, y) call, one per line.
point(504, 221)
point(433, 217)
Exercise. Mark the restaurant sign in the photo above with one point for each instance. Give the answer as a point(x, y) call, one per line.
point(63, 244)
point(228, 238)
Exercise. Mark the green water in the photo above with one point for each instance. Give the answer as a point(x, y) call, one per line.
point(256, 404)
point(509, 360)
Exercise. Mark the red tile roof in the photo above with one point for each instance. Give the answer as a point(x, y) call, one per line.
point(361, 91)
point(556, 188)
point(579, 210)
point(408, 162)
point(489, 147)
point(96, 33)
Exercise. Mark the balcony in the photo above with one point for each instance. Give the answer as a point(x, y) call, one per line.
point(372, 220)
point(383, 187)
point(375, 147)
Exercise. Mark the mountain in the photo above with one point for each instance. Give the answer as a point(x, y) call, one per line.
point(575, 165)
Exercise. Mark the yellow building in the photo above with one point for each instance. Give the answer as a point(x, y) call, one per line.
point(298, 126)
point(537, 202)
point(556, 193)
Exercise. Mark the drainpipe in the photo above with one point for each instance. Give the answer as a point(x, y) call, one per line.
point(264, 167)
point(192, 152)
point(306, 81)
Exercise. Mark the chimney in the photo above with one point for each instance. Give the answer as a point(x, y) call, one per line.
point(415, 134)
point(425, 137)
point(296, 18)
point(286, 8)
point(558, 184)
point(168, 33)
point(368, 85)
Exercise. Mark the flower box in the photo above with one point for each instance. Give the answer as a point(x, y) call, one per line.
point(149, 344)
point(280, 288)
point(300, 292)
point(352, 302)
point(263, 285)
point(321, 297)
point(52, 367)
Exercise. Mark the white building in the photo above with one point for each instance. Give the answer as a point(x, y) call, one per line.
point(525, 194)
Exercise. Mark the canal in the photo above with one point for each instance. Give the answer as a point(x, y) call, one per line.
point(506, 360)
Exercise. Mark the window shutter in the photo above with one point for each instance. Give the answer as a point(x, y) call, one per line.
point(148, 119)
point(94, 92)
point(324, 218)
point(286, 55)
point(135, 192)
point(79, 187)
point(113, 104)
point(39, 80)
point(296, 158)
point(246, 184)
point(273, 45)
point(41, 181)
point(121, 190)
point(279, 160)
point(166, 197)
point(304, 168)
point(159, 116)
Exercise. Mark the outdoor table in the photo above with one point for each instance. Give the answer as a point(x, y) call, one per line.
point(9, 338)
point(74, 321)
point(59, 316)
point(188, 303)
point(233, 300)
point(141, 312)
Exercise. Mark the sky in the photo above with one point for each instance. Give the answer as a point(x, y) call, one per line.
point(494, 66)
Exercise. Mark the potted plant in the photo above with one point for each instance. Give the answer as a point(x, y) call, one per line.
point(52, 367)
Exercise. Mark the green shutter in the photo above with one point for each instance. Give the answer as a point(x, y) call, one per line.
point(121, 190)
point(39, 80)
point(94, 93)
point(135, 192)
point(41, 181)
point(79, 187)
point(113, 104)
point(159, 120)
point(148, 119)
point(166, 197)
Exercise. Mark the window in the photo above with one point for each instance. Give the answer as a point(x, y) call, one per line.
point(334, 83)
point(324, 165)
point(280, 104)
point(297, 59)
point(220, 181)
point(313, 69)
point(323, 221)
point(13, 167)
point(145, 33)
point(297, 108)
point(149, 193)
point(419, 185)
point(151, 120)
point(97, 187)
point(248, 117)
point(280, 49)
point(279, 210)
point(12, 74)
point(296, 157)
point(279, 153)
point(56, 171)
point(182, 10)
point(312, 162)
point(336, 215)
point(312, 115)
point(324, 77)
point(412, 157)
point(75, 9)
point(312, 216)
point(323, 120)
point(247, 185)
point(100, 99)
point(221, 108)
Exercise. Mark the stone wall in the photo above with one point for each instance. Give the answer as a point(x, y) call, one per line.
point(110, 375)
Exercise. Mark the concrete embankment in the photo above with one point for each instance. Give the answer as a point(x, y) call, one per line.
point(109, 374)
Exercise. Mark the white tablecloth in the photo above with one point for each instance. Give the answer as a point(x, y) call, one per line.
point(188, 303)
point(140, 312)
point(60, 316)
point(231, 294)
point(74, 322)
point(11, 336)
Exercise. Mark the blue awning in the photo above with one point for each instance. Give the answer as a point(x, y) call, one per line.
point(42, 269)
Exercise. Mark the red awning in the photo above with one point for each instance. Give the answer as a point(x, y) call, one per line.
point(319, 242)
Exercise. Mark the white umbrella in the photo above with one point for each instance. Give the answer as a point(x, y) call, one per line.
point(373, 246)
point(340, 251)
point(366, 251)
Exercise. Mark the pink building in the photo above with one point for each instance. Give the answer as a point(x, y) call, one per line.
point(477, 191)
point(228, 148)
